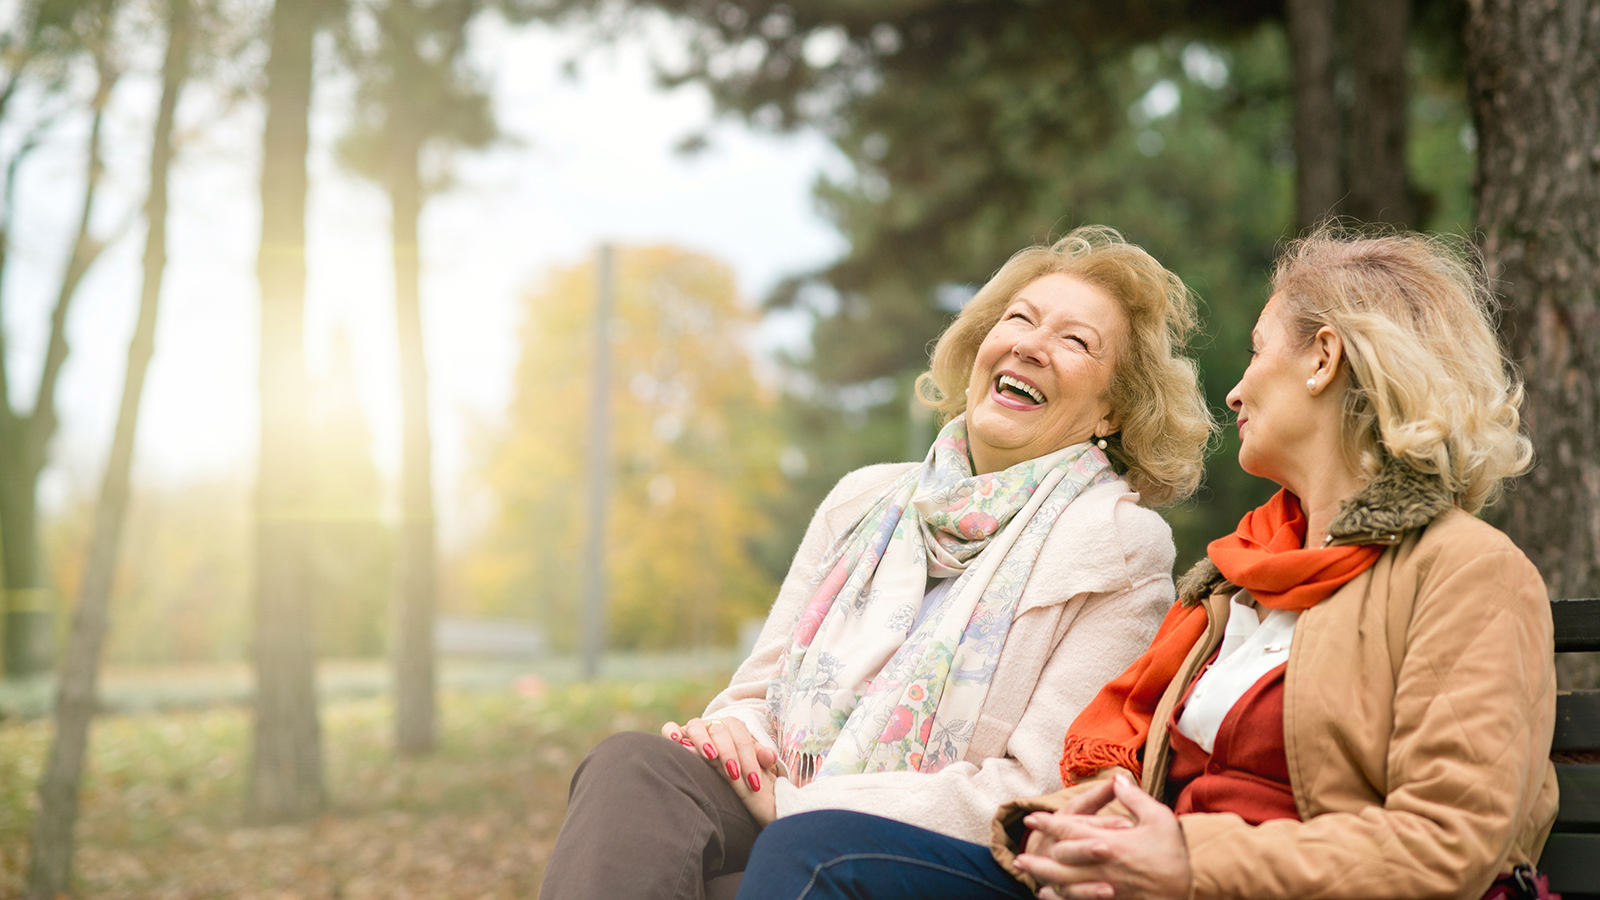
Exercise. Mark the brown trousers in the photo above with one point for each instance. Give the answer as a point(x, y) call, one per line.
point(647, 818)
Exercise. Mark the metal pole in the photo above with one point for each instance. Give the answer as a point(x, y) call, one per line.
point(594, 594)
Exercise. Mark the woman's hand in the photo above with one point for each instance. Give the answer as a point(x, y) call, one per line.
point(726, 745)
point(1077, 855)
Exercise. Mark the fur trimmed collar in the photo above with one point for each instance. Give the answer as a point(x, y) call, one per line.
point(1397, 500)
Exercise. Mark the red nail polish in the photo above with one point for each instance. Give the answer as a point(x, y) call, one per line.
point(733, 770)
point(754, 780)
point(687, 743)
point(711, 751)
point(676, 736)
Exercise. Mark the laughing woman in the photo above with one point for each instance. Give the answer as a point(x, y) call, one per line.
point(1353, 697)
point(942, 621)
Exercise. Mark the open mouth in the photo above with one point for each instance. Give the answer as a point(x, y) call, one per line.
point(1017, 389)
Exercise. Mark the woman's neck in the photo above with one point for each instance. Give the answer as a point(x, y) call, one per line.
point(1321, 496)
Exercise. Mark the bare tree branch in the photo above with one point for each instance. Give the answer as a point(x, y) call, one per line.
point(30, 141)
point(85, 250)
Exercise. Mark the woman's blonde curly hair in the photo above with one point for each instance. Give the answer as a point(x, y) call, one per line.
point(1155, 395)
point(1429, 383)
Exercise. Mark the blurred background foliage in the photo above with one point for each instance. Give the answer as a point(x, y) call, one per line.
point(184, 576)
point(975, 129)
point(695, 448)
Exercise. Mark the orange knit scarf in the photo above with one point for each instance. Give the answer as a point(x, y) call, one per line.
point(1265, 557)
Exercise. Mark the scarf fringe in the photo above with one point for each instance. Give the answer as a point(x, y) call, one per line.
point(1084, 756)
point(802, 766)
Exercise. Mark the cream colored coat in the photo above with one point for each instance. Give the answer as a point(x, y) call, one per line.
point(1091, 605)
point(1419, 703)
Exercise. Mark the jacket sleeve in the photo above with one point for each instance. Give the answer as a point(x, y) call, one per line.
point(1006, 830)
point(746, 694)
point(1109, 632)
point(1467, 755)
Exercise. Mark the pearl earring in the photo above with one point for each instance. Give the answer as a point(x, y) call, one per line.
point(1101, 443)
point(1311, 385)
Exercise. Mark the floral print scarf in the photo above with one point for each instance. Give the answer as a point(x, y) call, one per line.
point(872, 681)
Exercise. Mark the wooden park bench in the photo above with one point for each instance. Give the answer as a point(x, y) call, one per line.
point(1572, 855)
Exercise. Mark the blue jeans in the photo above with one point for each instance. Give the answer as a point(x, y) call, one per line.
point(833, 853)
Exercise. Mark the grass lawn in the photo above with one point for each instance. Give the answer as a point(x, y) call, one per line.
point(162, 802)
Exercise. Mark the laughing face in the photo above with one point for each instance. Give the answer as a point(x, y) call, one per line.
point(1041, 376)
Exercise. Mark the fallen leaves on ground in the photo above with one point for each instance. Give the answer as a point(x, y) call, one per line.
point(162, 802)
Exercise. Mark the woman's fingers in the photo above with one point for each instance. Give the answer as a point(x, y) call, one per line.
point(1093, 859)
point(1079, 853)
point(735, 754)
point(714, 740)
point(1070, 880)
point(1142, 805)
point(1090, 801)
point(741, 760)
point(679, 734)
point(766, 757)
point(1056, 826)
point(726, 749)
point(1088, 890)
point(697, 737)
point(744, 765)
point(727, 746)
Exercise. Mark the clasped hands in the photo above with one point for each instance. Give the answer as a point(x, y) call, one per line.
point(1078, 855)
point(726, 745)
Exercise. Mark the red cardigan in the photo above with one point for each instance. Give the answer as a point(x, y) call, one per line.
point(1246, 772)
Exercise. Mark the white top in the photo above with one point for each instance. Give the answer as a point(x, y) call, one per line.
point(1251, 647)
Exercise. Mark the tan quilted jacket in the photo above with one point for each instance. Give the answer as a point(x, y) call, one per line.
point(1418, 709)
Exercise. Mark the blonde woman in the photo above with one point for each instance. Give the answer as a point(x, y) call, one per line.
point(942, 621)
point(1354, 695)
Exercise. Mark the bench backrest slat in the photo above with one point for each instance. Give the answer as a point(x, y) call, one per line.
point(1569, 860)
point(1580, 796)
point(1577, 721)
point(1577, 624)
point(1571, 856)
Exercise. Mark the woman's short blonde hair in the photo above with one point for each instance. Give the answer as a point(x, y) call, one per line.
point(1165, 425)
point(1429, 382)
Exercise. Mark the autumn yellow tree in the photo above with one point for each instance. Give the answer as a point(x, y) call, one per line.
point(694, 452)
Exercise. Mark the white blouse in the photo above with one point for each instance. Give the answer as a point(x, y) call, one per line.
point(1251, 647)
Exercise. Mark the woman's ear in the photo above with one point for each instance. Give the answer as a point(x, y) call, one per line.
point(1109, 424)
point(1328, 348)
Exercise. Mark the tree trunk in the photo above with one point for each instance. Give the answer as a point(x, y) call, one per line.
point(1534, 81)
point(29, 608)
point(1319, 183)
point(415, 572)
point(27, 623)
point(1376, 161)
point(286, 768)
point(50, 870)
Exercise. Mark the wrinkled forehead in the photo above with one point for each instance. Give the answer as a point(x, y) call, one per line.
point(1106, 312)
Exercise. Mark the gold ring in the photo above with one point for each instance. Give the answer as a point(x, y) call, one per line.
point(711, 722)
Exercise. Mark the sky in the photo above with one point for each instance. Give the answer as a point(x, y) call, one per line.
point(590, 159)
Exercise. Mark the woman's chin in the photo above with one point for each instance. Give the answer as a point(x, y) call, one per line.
point(1253, 464)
